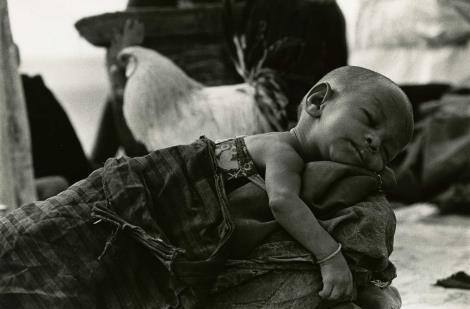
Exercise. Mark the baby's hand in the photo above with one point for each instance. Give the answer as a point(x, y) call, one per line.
point(337, 279)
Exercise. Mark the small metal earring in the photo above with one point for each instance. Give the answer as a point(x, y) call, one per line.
point(379, 182)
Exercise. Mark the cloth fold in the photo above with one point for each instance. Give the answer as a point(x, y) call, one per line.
point(158, 231)
point(347, 202)
point(274, 271)
point(435, 167)
point(117, 238)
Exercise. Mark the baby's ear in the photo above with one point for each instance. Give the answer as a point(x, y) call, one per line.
point(316, 98)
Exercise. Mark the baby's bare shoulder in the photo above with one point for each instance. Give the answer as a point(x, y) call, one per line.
point(268, 142)
point(276, 146)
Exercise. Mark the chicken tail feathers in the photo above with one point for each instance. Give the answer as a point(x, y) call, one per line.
point(250, 51)
point(271, 99)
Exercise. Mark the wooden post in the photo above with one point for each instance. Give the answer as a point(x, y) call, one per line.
point(16, 169)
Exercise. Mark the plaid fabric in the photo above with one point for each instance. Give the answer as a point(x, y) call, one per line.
point(101, 243)
point(152, 232)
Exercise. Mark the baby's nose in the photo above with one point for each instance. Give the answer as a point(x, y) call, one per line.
point(373, 142)
point(375, 161)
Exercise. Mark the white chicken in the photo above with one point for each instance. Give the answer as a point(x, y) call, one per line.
point(165, 107)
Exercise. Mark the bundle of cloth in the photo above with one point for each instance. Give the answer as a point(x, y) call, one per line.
point(159, 231)
point(435, 165)
point(428, 40)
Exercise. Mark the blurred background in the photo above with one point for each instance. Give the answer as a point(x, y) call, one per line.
point(409, 52)
point(71, 67)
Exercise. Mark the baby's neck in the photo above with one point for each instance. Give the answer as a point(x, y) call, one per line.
point(297, 143)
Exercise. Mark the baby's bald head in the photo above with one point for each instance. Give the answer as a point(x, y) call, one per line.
point(347, 76)
point(348, 79)
point(360, 106)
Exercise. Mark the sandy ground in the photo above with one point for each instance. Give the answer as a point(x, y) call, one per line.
point(429, 247)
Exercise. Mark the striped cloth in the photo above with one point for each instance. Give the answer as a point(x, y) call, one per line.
point(101, 243)
point(153, 231)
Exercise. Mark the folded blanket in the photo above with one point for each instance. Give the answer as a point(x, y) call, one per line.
point(348, 203)
point(268, 269)
point(118, 238)
point(436, 165)
point(156, 231)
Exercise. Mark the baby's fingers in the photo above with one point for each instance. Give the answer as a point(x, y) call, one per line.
point(326, 291)
point(341, 291)
point(339, 294)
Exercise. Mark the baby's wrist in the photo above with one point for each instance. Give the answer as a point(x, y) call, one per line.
point(325, 258)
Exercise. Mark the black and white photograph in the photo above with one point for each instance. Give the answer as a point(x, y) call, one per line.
point(232, 154)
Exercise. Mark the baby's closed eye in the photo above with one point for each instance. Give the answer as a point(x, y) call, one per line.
point(370, 119)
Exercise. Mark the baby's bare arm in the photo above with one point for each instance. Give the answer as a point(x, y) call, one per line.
point(284, 167)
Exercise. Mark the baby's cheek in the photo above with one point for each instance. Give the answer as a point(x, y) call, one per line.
point(340, 152)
